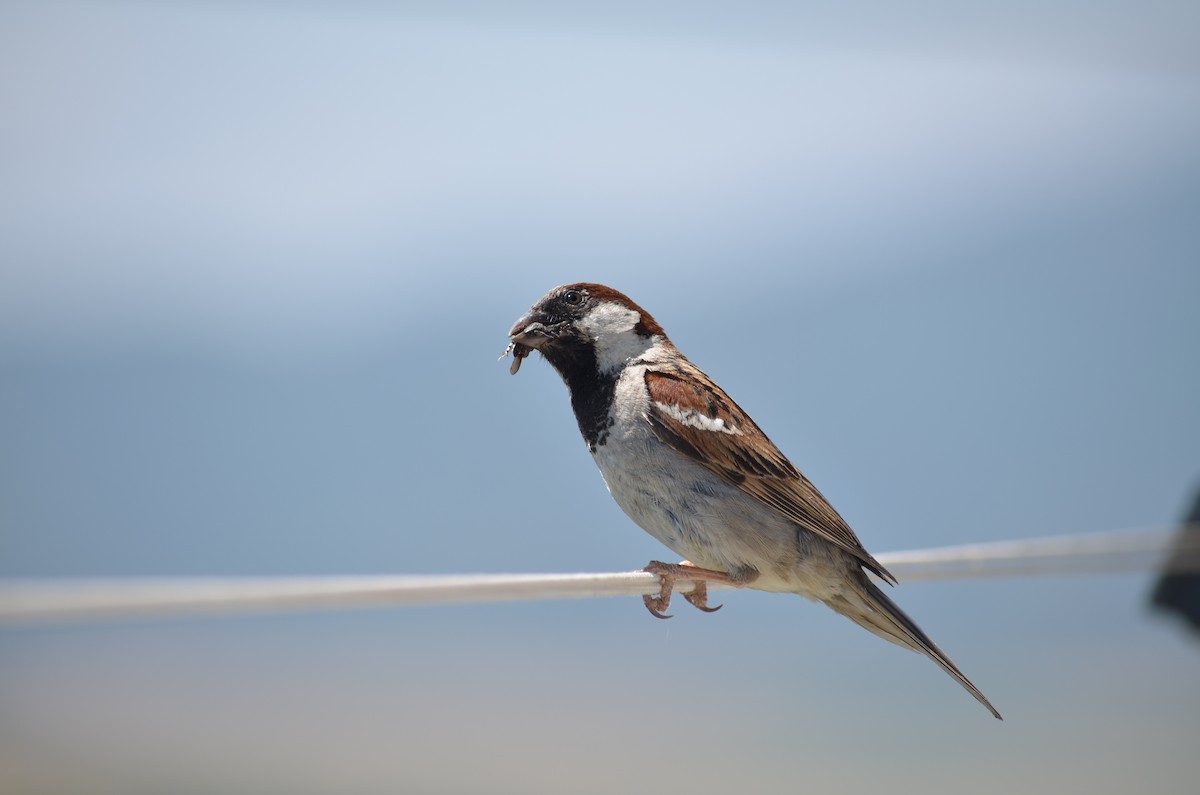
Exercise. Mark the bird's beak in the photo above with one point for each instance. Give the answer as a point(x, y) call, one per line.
point(530, 332)
point(533, 330)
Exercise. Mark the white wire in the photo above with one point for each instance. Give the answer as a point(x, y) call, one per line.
point(41, 600)
point(30, 599)
point(1128, 550)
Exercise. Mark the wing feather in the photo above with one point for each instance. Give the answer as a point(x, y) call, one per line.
point(696, 417)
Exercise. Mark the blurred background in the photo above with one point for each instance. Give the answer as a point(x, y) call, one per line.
point(257, 261)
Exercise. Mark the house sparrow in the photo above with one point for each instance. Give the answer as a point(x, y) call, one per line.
point(694, 471)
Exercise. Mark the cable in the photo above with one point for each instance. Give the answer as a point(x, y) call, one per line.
point(43, 600)
point(1129, 550)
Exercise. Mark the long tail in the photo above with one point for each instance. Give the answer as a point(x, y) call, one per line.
point(873, 610)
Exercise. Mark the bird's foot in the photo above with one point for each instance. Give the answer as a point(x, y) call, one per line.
point(668, 573)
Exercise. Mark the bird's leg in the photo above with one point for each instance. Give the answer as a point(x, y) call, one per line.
point(668, 573)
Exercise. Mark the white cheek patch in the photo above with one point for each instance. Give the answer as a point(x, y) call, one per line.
point(609, 319)
point(611, 328)
point(694, 419)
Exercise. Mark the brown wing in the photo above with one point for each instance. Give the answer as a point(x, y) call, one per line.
point(695, 417)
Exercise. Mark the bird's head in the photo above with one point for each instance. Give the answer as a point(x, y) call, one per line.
point(579, 322)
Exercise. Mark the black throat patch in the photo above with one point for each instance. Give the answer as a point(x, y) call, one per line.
point(591, 392)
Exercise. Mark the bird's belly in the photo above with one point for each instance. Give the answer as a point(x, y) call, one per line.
point(699, 515)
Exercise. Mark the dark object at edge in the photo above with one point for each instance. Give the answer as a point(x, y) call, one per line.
point(1181, 592)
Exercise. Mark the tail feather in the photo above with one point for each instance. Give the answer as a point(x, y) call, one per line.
point(879, 614)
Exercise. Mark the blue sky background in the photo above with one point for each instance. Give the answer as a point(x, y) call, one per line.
point(257, 262)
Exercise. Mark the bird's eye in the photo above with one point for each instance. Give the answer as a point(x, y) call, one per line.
point(573, 297)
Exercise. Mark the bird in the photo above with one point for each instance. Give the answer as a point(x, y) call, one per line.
point(693, 470)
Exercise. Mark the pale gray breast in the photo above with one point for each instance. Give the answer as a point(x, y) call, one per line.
point(688, 508)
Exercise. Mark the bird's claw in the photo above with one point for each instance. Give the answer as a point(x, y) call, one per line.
point(668, 573)
point(657, 604)
point(699, 598)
